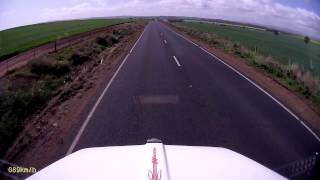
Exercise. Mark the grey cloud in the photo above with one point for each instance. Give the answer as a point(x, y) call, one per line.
point(265, 12)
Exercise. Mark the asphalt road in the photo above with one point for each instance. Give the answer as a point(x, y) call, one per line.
point(171, 89)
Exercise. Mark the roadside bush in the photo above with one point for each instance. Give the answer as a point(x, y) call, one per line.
point(11, 71)
point(60, 69)
point(63, 56)
point(316, 99)
point(41, 66)
point(52, 84)
point(47, 67)
point(109, 40)
point(312, 84)
point(102, 41)
point(122, 32)
point(293, 75)
point(79, 58)
point(113, 38)
point(3, 107)
point(236, 45)
point(96, 49)
point(18, 105)
point(206, 36)
point(294, 71)
point(9, 128)
point(25, 103)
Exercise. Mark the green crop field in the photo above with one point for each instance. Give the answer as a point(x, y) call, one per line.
point(16, 40)
point(285, 48)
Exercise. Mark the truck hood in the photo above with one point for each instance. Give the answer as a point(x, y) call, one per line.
point(156, 161)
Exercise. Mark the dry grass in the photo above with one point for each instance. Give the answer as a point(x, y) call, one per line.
point(309, 81)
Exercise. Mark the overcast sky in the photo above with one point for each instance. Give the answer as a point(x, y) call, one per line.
point(298, 15)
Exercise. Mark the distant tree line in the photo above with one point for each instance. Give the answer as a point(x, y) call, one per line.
point(277, 32)
point(175, 20)
point(274, 31)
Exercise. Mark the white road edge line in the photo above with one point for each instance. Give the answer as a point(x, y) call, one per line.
point(85, 123)
point(176, 60)
point(253, 83)
point(137, 40)
point(310, 130)
point(165, 41)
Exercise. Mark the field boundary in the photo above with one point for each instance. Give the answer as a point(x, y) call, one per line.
point(23, 57)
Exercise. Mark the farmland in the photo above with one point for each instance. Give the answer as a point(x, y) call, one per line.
point(16, 40)
point(284, 48)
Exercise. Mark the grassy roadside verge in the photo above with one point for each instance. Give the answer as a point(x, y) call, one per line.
point(284, 48)
point(27, 90)
point(292, 76)
point(16, 40)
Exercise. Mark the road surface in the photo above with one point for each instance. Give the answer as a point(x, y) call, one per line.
point(170, 89)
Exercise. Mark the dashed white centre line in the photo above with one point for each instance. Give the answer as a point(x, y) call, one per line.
point(175, 59)
point(165, 41)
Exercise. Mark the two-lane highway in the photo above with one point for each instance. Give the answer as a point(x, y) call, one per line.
point(173, 90)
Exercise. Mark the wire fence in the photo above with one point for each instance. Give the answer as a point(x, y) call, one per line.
point(23, 58)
